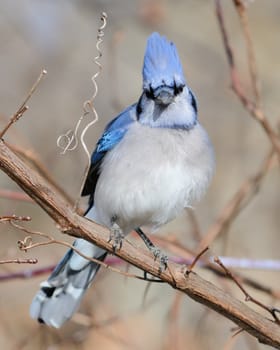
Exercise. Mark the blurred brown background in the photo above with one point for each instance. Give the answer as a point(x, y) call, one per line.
point(60, 36)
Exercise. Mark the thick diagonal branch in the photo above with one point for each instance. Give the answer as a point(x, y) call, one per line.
point(266, 331)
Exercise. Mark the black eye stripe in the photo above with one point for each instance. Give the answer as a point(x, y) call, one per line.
point(150, 94)
point(178, 89)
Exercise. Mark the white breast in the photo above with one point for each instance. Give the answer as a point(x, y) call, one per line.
point(152, 174)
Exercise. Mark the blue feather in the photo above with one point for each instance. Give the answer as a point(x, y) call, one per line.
point(162, 65)
point(112, 135)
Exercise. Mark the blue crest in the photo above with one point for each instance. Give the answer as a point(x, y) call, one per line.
point(162, 65)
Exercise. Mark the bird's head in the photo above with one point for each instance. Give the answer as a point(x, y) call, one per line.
point(163, 76)
point(166, 100)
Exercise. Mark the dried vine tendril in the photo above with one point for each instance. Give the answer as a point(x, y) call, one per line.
point(69, 140)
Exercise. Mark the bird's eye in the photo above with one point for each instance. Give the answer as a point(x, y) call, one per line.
point(193, 102)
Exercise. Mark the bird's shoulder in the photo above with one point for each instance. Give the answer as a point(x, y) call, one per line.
point(112, 135)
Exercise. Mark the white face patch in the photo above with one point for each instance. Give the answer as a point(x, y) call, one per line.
point(179, 114)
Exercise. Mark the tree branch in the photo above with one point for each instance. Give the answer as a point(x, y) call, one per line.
point(252, 107)
point(266, 331)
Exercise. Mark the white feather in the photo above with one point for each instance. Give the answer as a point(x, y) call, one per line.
point(152, 174)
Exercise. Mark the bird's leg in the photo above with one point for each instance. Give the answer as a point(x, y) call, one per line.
point(116, 234)
point(163, 259)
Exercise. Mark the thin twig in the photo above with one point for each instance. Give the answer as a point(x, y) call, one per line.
point(255, 110)
point(10, 218)
point(252, 65)
point(22, 108)
point(19, 261)
point(248, 297)
point(27, 244)
point(196, 259)
point(184, 256)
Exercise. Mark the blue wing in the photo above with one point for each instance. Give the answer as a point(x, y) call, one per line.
point(112, 135)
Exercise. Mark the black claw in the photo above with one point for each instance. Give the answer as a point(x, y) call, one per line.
point(163, 263)
point(156, 252)
point(163, 259)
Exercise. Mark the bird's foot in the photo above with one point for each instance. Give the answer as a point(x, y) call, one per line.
point(161, 257)
point(116, 236)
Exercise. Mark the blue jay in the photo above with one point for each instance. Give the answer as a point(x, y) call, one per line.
point(153, 160)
